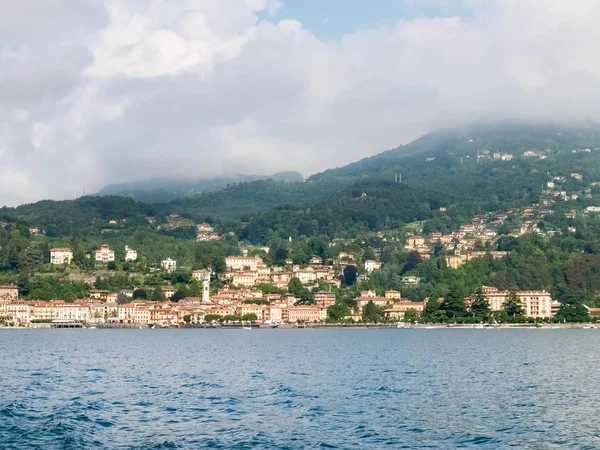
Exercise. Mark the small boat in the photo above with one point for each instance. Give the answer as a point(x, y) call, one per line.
point(400, 325)
point(246, 328)
point(92, 328)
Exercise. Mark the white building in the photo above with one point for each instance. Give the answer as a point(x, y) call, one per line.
point(105, 254)
point(371, 265)
point(411, 280)
point(169, 264)
point(243, 262)
point(130, 254)
point(61, 256)
point(306, 276)
point(204, 276)
point(204, 232)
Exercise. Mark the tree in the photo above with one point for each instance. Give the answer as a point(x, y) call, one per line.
point(432, 312)
point(122, 299)
point(177, 296)
point(454, 303)
point(249, 317)
point(296, 287)
point(350, 273)
point(411, 315)
point(268, 288)
point(571, 308)
point(157, 294)
point(180, 276)
point(111, 265)
point(372, 313)
point(338, 311)
point(412, 261)
point(140, 294)
point(512, 305)
point(480, 306)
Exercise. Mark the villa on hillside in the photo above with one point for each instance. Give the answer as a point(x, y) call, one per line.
point(105, 254)
point(61, 256)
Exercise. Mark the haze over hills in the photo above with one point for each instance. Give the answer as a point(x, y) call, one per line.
point(439, 169)
point(167, 189)
point(467, 141)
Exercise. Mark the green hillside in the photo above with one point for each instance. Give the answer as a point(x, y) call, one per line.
point(514, 138)
point(444, 173)
point(165, 190)
point(437, 170)
point(363, 208)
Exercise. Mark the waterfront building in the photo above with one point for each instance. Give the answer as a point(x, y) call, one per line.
point(306, 314)
point(536, 304)
point(382, 302)
point(397, 310)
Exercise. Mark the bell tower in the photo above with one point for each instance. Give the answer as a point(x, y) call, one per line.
point(206, 287)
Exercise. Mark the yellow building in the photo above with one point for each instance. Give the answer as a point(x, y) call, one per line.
point(536, 304)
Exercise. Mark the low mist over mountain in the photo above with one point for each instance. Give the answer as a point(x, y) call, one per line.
point(507, 137)
point(406, 184)
point(165, 190)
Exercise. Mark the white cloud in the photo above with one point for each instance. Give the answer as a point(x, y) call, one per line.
point(148, 88)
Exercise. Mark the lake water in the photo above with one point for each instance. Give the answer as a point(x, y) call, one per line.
point(294, 389)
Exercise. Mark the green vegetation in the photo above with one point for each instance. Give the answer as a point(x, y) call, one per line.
point(372, 313)
point(362, 209)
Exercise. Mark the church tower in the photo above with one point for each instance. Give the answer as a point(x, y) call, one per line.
point(206, 287)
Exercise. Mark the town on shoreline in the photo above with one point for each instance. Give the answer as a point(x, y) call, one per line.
point(316, 280)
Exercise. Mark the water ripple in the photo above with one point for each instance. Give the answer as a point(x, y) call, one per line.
point(296, 389)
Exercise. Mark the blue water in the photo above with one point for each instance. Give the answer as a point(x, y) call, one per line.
point(294, 389)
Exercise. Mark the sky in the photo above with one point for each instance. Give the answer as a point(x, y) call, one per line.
point(94, 92)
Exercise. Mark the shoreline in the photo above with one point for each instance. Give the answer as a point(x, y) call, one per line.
point(557, 326)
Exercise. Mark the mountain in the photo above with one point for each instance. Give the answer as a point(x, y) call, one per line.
point(165, 190)
point(513, 138)
point(438, 171)
point(85, 216)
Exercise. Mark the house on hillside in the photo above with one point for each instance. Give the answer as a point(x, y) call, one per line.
point(371, 265)
point(61, 256)
point(105, 254)
point(168, 264)
point(130, 254)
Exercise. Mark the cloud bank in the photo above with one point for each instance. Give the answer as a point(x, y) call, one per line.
point(96, 92)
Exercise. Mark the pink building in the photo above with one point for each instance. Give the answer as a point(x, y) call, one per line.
point(306, 314)
point(325, 299)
